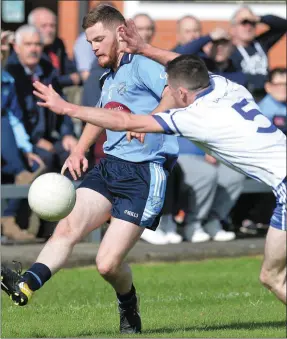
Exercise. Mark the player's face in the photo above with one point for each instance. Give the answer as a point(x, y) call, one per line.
point(277, 87)
point(104, 44)
point(244, 28)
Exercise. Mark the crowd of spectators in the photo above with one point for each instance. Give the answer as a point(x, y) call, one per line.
point(201, 192)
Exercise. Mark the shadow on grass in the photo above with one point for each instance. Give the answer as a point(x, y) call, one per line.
point(233, 326)
point(163, 330)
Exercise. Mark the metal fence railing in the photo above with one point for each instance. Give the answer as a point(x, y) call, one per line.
point(10, 191)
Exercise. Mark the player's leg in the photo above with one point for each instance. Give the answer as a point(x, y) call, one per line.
point(119, 239)
point(112, 253)
point(138, 196)
point(273, 272)
point(91, 210)
point(229, 188)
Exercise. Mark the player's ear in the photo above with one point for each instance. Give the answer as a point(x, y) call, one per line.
point(182, 93)
point(118, 31)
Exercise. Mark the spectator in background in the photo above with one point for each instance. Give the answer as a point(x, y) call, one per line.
point(54, 49)
point(215, 49)
point(274, 103)
point(48, 134)
point(145, 26)
point(7, 41)
point(214, 189)
point(17, 158)
point(188, 29)
point(251, 53)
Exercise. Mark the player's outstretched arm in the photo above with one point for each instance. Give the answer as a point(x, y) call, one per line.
point(134, 44)
point(109, 119)
point(117, 120)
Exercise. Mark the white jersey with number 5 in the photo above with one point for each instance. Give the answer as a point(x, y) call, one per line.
point(225, 122)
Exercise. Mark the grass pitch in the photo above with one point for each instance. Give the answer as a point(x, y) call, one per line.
point(208, 299)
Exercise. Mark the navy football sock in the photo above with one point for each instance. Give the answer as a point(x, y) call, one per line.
point(37, 275)
point(123, 298)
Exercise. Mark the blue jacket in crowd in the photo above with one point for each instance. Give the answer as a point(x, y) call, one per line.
point(10, 107)
point(39, 122)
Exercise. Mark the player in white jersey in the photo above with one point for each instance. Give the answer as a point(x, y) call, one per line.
point(223, 119)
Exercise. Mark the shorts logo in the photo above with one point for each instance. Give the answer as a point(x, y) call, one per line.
point(131, 214)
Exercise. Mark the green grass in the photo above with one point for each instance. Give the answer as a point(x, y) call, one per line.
point(208, 299)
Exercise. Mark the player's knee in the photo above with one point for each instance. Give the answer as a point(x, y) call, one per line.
point(106, 268)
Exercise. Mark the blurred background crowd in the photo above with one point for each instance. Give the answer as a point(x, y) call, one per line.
point(43, 40)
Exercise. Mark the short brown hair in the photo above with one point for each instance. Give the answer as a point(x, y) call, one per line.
point(103, 13)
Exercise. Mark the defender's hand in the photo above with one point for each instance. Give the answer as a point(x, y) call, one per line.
point(131, 41)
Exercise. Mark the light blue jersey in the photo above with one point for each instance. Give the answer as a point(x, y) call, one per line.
point(137, 87)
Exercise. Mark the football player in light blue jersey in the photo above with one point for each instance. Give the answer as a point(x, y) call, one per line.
point(222, 118)
point(136, 86)
point(127, 186)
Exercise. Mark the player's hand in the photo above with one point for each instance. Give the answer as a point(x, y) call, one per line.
point(219, 34)
point(51, 99)
point(76, 163)
point(136, 135)
point(130, 40)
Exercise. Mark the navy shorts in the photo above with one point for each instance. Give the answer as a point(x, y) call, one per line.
point(135, 190)
point(278, 219)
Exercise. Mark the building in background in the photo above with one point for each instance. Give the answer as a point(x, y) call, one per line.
point(212, 14)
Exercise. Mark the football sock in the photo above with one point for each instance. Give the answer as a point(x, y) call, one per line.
point(36, 276)
point(123, 298)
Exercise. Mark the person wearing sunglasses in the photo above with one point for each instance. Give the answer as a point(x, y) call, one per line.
point(251, 52)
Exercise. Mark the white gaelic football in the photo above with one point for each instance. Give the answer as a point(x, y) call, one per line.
point(52, 196)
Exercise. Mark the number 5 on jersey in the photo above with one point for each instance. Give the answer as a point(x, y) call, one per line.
point(251, 114)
